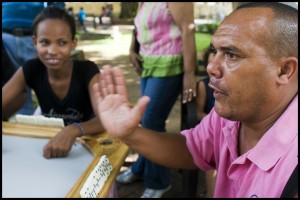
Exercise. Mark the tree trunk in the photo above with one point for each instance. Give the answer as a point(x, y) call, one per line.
point(128, 10)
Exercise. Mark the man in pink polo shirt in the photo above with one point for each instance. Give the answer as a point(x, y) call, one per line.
point(251, 135)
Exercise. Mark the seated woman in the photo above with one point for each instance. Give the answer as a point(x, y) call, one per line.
point(63, 86)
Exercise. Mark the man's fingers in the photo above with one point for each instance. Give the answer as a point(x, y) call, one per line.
point(102, 87)
point(140, 107)
point(119, 81)
point(108, 79)
point(97, 92)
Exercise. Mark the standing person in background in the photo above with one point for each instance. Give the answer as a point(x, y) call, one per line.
point(251, 134)
point(166, 63)
point(17, 46)
point(63, 87)
point(192, 113)
point(71, 12)
point(205, 102)
point(102, 14)
point(109, 10)
point(81, 18)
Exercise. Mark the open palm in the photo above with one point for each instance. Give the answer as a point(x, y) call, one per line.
point(113, 107)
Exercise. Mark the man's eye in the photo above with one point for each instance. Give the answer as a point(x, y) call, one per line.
point(213, 50)
point(231, 55)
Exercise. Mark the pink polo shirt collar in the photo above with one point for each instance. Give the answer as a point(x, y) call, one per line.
point(279, 136)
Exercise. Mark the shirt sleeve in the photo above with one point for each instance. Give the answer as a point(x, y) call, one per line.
point(200, 141)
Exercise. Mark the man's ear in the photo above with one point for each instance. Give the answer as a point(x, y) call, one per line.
point(288, 69)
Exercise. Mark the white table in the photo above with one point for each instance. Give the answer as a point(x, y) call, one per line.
point(26, 173)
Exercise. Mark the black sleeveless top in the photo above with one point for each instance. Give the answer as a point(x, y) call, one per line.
point(76, 105)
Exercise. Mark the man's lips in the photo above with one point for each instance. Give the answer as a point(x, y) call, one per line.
point(217, 91)
point(214, 87)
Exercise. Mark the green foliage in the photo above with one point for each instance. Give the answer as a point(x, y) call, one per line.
point(208, 28)
point(78, 35)
point(202, 41)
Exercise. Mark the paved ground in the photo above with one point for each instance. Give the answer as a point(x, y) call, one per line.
point(114, 51)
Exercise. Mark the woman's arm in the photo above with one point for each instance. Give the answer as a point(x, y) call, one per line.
point(183, 14)
point(134, 57)
point(61, 144)
point(13, 94)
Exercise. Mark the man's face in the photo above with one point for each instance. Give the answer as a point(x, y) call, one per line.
point(242, 73)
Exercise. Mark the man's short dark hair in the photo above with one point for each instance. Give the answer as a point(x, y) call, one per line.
point(282, 37)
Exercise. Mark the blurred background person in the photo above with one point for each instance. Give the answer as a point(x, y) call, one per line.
point(205, 102)
point(166, 62)
point(17, 45)
point(81, 18)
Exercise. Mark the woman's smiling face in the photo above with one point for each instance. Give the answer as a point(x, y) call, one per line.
point(54, 43)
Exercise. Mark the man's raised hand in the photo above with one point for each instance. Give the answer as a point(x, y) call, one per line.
point(113, 106)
